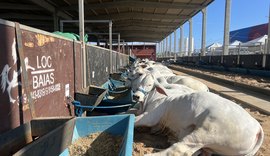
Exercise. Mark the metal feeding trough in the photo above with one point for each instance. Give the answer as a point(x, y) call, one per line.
point(91, 96)
point(19, 138)
point(57, 141)
point(118, 76)
point(111, 104)
point(118, 125)
point(114, 100)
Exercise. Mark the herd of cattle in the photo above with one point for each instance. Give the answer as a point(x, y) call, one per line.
point(202, 122)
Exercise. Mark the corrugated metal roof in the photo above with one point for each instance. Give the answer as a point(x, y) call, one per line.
point(135, 20)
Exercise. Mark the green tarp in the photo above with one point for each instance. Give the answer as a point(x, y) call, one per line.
point(72, 36)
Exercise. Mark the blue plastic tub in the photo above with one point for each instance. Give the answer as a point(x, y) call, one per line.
point(122, 125)
point(57, 141)
point(112, 84)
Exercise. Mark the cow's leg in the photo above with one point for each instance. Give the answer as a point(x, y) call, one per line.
point(180, 149)
point(148, 119)
point(189, 146)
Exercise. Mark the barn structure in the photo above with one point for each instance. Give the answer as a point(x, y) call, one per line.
point(41, 36)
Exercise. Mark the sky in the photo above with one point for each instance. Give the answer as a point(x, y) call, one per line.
point(244, 13)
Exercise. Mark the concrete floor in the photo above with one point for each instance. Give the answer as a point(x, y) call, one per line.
point(253, 99)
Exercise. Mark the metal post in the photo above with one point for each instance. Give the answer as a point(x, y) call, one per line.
point(203, 31)
point(55, 21)
point(61, 26)
point(163, 46)
point(81, 30)
point(124, 48)
point(265, 46)
point(190, 37)
point(157, 48)
point(170, 45)
point(238, 54)
point(268, 43)
point(98, 42)
point(143, 45)
point(132, 47)
point(166, 47)
point(160, 47)
point(174, 47)
point(181, 39)
point(264, 53)
point(110, 42)
point(226, 29)
point(119, 43)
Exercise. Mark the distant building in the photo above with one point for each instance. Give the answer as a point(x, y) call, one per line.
point(144, 51)
point(213, 46)
point(249, 33)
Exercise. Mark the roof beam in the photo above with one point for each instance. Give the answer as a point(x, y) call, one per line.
point(134, 28)
point(115, 26)
point(13, 6)
point(143, 32)
point(49, 7)
point(36, 22)
point(25, 16)
point(139, 15)
point(146, 23)
point(141, 39)
point(146, 26)
point(142, 35)
point(137, 4)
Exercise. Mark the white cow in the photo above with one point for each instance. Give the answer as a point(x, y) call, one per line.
point(188, 81)
point(135, 80)
point(166, 78)
point(201, 121)
point(147, 79)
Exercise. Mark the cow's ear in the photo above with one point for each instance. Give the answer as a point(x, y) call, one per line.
point(161, 90)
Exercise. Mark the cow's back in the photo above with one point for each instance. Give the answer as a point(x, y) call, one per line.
point(229, 125)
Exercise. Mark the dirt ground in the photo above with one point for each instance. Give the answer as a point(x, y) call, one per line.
point(145, 142)
point(264, 120)
point(96, 144)
point(247, 79)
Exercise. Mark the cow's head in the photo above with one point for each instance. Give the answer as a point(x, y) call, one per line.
point(147, 84)
point(133, 75)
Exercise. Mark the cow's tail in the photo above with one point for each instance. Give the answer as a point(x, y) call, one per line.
point(259, 141)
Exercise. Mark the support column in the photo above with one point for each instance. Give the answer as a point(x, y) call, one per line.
point(170, 45)
point(124, 48)
point(81, 30)
point(119, 43)
point(163, 47)
point(110, 42)
point(181, 39)
point(226, 29)
point(166, 47)
point(159, 47)
point(132, 47)
point(268, 42)
point(98, 42)
point(190, 37)
point(55, 21)
point(203, 31)
point(174, 47)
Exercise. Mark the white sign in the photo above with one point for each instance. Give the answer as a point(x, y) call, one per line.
point(43, 78)
point(93, 74)
point(67, 90)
